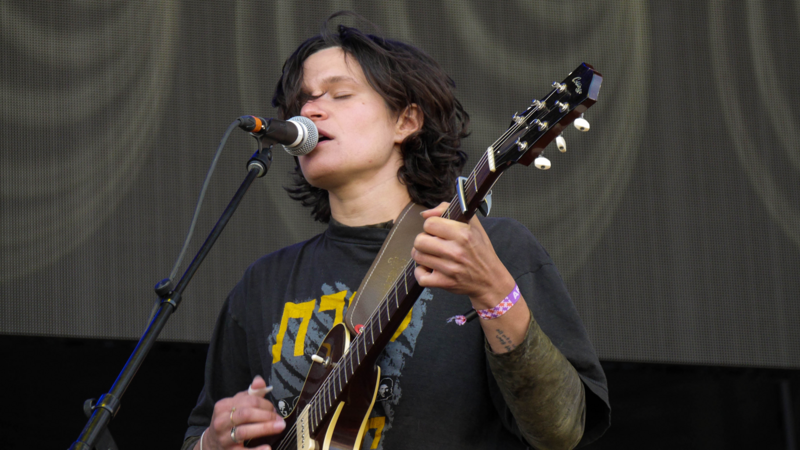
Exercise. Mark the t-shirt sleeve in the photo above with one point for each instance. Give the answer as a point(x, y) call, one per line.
point(227, 368)
point(551, 305)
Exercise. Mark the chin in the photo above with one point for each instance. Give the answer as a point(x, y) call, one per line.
point(319, 180)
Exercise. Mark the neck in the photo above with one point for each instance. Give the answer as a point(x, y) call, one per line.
point(359, 205)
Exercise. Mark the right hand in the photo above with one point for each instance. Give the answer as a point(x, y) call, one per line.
point(253, 417)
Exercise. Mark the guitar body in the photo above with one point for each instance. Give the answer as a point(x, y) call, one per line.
point(345, 428)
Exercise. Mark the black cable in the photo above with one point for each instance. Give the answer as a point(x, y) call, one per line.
point(200, 199)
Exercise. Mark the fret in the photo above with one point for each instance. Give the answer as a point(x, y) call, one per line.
point(397, 305)
point(405, 282)
point(388, 314)
point(336, 387)
point(364, 342)
point(342, 382)
point(371, 337)
point(352, 371)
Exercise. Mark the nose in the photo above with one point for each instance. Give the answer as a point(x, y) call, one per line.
point(313, 110)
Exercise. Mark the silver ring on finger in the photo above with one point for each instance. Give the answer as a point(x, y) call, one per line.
point(233, 436)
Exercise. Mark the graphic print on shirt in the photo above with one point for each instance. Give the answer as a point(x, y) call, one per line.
point(302, 327)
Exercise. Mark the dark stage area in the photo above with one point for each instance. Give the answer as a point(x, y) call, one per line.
point(654, 406)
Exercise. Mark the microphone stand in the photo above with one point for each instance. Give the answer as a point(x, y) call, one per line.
point(108, 405)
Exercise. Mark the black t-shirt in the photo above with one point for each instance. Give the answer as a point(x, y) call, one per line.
point(436, 390)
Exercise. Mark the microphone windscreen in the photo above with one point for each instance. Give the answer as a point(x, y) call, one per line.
point(310, 140)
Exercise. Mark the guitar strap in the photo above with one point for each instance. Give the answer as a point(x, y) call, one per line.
point(388, 265)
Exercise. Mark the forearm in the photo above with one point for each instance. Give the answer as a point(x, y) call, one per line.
point(505, 332)
point(542, 390)
point(508, 331)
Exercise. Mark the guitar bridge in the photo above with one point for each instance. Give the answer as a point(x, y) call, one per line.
point(304, 440)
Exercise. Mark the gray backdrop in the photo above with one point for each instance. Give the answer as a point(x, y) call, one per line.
point(675, 221)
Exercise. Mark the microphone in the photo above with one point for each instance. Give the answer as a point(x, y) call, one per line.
point(298, 135)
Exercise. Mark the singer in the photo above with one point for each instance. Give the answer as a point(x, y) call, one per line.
point(390, 132)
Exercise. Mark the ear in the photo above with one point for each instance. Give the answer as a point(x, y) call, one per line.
point(408, 122)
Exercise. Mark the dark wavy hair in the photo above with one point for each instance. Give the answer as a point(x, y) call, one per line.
point(403, 75)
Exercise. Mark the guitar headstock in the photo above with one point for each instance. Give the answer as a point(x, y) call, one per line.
point(545, 119)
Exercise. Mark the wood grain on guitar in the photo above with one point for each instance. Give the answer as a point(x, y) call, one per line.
point(340, 389)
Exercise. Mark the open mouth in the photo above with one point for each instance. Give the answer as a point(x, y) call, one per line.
point(323, 136)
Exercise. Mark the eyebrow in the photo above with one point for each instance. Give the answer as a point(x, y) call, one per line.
point(339, 79)
point(333, 79)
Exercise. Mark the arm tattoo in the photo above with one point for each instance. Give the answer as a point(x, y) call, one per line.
point(505, 341)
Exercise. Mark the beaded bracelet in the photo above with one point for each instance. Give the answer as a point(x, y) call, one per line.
point(493, 313)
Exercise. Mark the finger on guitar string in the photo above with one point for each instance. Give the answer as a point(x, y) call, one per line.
point(254, 430)
point(245, 416)
point(252, 416)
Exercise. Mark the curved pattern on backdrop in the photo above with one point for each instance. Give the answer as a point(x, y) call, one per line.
point(580, 205)
point(118, 62)
point(596, 182)
point(749, 142)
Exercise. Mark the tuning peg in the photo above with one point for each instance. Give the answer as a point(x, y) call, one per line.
point(581, 123)
point(561, 143)
point(541, 163)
